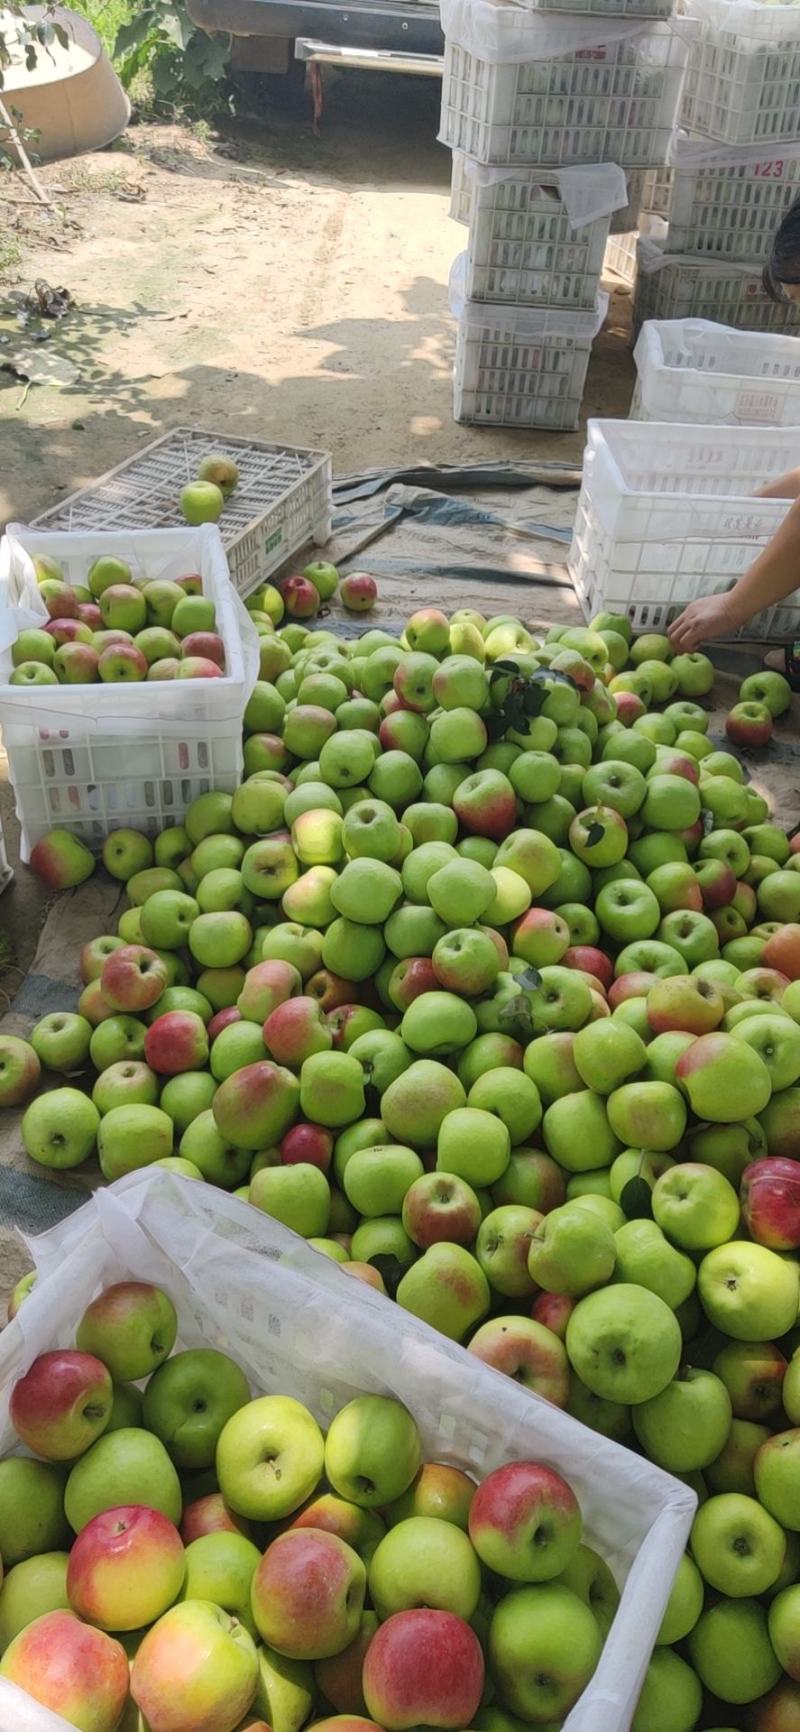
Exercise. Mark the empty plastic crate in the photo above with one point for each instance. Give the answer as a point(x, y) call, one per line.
point(89, 758)
point(620, 256)
point(281, 502)
point(524, 246)
point(743, 81)
point(525, 88)
point(722, 203)
point(520, 366)
point(698, 371)
point(675, 286)
point(668, 512)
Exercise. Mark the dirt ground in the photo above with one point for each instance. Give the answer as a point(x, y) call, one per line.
point(271, 282)
point(266, 281)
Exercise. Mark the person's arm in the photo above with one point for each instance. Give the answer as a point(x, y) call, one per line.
point(771, 577)
point(785, 487)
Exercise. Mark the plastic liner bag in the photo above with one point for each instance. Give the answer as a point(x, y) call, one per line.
point(587, 193)
point(765, 160)
point(505, 35)
point(524, 321)
point(245, 1284)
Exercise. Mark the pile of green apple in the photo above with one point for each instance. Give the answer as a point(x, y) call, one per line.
point(487, 982)
point(184, 1558)
point(117, 628)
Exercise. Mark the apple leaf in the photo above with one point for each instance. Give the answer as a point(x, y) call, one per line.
point(391, 1269)
point(529, 977)
point(595, 833)
point(534, 699)
point(636, 1200)
point(516, 1018)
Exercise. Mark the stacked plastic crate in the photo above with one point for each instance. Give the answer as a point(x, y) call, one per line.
point(735, 170)
point(547, 111)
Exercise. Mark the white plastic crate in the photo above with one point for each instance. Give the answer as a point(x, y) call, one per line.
point(528, 244)
point(89, 758)
point(245, 1284)
point(281, 502)
point(722, 203)
point(627, 217)
point(520, 366)
point(743, 80)
point(692, 370)
point(678, 286)
point(620, 256)
point(531, 88)
point(668, 512)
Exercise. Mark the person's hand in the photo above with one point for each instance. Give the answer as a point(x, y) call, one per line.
point(712, 616)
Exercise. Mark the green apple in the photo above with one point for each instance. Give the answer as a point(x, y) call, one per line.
point(695, 1206)
point(188, 1401)
point(748, 1292)
point(647, 1259)
point(377, 1180)
point(624, 1343)
point(572, 1251)
point(671, 1696)
point(512, 1098)
point(373, 1451)
point(33, 1587)
point(737, 1546)
point(298, 1195)
point(731, 1651)
point(544, 1644)
point(578, 1133)
point(446, 1287)
point(220, 1567)
point(606, 1054)
point(777, 1477)
point(684, 1605)
point(687, 1425)
point(32, 1516)
point(425, 1562)
point(125, 1467)
point(269, 1458)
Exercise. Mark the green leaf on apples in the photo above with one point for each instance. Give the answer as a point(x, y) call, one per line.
point(516, 1018)
point(495, 726)
point(534, 699)
point(529, 977)
point(636, 1200)
point(595, 833)
point(391, 1269)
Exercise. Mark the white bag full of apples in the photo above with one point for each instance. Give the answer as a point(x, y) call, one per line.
point(508, 1608)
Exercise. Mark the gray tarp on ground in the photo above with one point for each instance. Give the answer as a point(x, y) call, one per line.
point(490, 537)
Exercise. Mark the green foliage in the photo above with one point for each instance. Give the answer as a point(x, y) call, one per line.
point(33, 37)
point(186, 67)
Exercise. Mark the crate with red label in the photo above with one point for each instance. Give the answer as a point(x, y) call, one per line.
point(720, 203)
